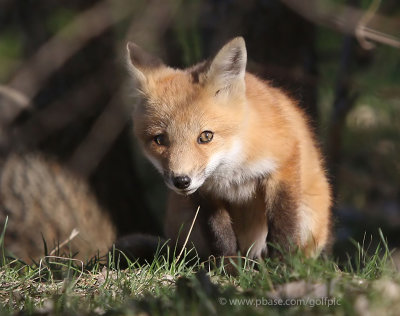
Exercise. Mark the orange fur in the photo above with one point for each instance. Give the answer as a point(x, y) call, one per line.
point(262, 151)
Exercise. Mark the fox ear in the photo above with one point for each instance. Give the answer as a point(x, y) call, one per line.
point(228, 67)
point(140, 63)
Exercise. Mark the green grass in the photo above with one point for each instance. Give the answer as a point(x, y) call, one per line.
point(368, 281)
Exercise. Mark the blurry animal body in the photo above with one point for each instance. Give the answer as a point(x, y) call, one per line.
point(44, 201)
point(240, 149)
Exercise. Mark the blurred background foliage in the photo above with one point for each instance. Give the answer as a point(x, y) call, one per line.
point(64, 60)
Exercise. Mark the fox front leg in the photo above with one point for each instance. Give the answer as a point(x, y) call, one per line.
point(217, 226)
point(283, 222)
point(219, 231)
point(212, 233)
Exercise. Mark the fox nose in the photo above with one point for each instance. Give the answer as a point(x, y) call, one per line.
point(181, 182)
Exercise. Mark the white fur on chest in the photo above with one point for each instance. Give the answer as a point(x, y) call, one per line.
point(231, 177)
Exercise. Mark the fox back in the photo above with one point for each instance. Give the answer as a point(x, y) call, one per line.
point(45, 202)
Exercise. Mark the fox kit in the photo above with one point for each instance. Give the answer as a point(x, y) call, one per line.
point(240, 149)
point(43, 201)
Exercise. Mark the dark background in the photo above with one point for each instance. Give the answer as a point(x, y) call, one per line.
point(64, 61)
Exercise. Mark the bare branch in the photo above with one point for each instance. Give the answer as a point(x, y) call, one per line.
point(57, 115)
point(348, 20)
point(12, 102)
point(54, 53)
point(148, 28)
point(100, 138)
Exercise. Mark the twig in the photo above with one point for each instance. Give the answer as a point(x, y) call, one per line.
point(61, 258)
point(360, 31)
point(232, 257)
point(12, 102)
point(73, 234)
point(188, 235)
point(14, 95)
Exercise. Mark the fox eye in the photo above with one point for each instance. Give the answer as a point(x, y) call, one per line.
point(205, 137)
point(160, 140)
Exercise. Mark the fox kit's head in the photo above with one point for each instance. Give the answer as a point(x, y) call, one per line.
point(189, 121)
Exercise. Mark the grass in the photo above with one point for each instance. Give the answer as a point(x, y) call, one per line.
point(367, 281)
